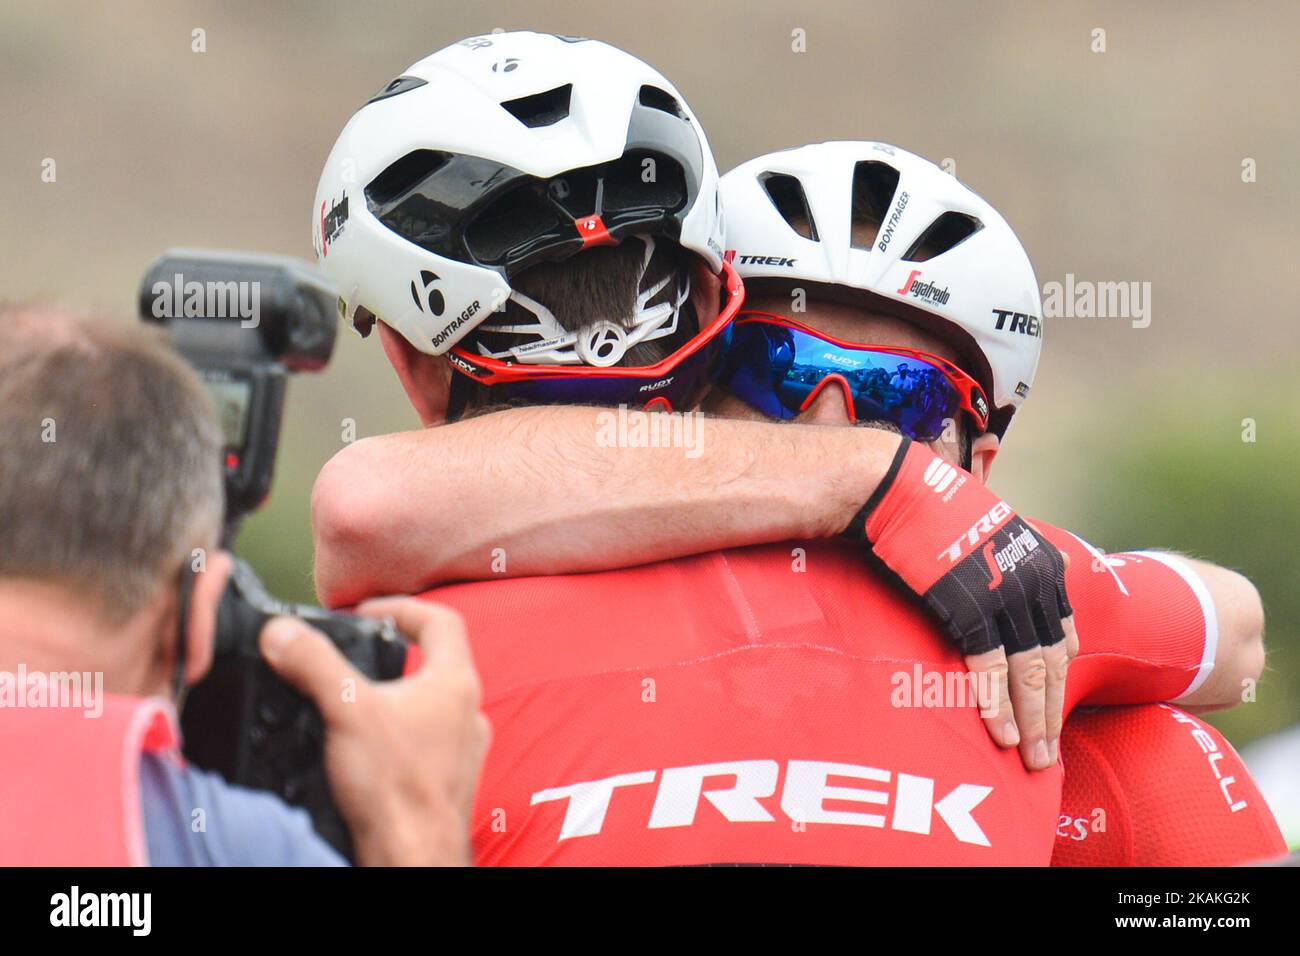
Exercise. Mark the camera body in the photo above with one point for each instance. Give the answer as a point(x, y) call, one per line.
point(245, 322)
point(244, 722)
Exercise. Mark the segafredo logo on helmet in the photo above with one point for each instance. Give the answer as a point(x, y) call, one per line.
point(887, 234)
point(332, 221)
point(927, 292)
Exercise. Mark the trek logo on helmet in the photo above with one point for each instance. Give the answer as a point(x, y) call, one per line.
point(1019, 322)
point(767, 261)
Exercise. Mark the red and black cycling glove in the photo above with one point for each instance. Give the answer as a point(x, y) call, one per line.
point(989, 578)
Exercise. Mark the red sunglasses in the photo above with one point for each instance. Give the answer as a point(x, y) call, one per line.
point(780, 365)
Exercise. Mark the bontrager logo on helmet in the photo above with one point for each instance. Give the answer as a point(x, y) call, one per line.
point(488, 158)
point(427, 296)
point(912, 235)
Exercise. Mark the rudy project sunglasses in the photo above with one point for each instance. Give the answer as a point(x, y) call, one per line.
point(779, 366)
point(678, 382)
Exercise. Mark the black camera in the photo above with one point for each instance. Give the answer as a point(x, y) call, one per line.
point(244, 322)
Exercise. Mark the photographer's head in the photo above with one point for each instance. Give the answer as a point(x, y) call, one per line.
point(109, 482)
point(882, 289)
point(531, 219)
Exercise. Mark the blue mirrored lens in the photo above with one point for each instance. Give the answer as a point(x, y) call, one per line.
point(775, 369)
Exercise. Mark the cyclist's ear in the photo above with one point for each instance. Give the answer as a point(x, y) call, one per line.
point(201, 631)
point(425, 378)
point(706, 286)
point(983, 450)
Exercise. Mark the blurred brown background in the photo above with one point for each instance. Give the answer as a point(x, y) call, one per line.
point(1115, 166)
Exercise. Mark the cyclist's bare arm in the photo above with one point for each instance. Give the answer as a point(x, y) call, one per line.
point(403, 512)
point(1239, 618)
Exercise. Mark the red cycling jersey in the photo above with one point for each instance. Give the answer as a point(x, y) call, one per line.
point(1155, 786)
point(780, 704)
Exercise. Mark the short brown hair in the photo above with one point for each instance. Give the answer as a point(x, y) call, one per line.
point(109, 458)
point(599, 283)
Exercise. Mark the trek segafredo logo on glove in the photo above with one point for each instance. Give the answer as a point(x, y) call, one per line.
point(987, 524)
point(1006, 558)
point(898, 801)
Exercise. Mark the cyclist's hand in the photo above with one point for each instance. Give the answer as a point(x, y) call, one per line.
point(403, 756)
point(995, 585)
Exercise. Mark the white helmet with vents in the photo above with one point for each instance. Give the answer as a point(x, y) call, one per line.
point(498, 153)
point(872, 217)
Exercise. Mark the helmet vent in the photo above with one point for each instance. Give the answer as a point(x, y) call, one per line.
point(399, 85)
point(949, 230)
point(541, 109)
point(874, 184)
point(404, 175)
point(787, 195)
point(658, 99)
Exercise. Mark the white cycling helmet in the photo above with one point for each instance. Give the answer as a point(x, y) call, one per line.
point(941, 256)
point(498, 153)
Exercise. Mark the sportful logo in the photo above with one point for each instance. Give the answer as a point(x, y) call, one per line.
point(939, 475)
point(942, 477)
point(925, 291)
point(803, 798)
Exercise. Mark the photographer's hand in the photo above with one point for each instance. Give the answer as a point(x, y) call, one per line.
point(403, 757)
